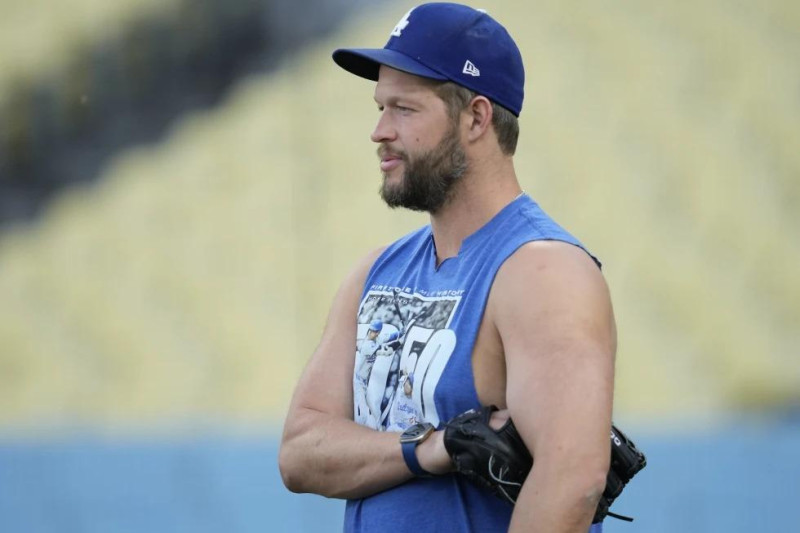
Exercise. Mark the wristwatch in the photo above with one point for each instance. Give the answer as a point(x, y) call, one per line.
point(409, 440)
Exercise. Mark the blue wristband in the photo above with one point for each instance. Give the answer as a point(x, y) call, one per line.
point(410, 456)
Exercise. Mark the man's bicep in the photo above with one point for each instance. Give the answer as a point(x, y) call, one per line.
point(326, 384)
point(554, 317)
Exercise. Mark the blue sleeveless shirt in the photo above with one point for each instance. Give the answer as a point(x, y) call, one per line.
point(417, 325)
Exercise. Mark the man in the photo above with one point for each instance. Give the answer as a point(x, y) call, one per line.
point(513, 311)
point(373, 345)
point(404, 412)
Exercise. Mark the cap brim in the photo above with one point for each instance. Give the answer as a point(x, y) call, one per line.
point(366, 63)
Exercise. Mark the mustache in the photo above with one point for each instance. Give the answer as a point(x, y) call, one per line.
point(384, 150)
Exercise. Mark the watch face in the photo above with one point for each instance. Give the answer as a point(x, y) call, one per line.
point(417, 432)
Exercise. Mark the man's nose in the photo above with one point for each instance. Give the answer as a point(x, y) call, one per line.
point(384, 131)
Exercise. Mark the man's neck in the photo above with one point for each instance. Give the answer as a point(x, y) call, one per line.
point(477, 199)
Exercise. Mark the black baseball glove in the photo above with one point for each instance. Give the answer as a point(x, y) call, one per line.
point(499, 460)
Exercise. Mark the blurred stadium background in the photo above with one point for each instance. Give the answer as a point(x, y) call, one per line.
point(183, 184)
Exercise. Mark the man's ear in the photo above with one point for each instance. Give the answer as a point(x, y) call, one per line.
point(479, 112)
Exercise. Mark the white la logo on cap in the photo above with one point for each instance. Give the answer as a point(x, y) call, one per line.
point(398, 30)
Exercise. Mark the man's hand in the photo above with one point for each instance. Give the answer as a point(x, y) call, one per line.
point(486, 449)
point(432, 455)
point(491, 456)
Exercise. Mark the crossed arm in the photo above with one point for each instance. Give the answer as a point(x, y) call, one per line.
point(553, 313)
point(323, 450)
point(551, 310)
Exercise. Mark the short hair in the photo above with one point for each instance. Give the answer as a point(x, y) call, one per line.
point(505, 123)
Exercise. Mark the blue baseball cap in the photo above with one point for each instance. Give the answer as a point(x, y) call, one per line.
point(445, 41)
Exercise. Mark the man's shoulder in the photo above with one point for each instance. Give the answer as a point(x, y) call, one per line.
point(367, 264)
point(410, 241)
point(558, 256)
point(421, 233)
point(526, 222)
point(416, 235)
point(556, 250)
point(548, 271)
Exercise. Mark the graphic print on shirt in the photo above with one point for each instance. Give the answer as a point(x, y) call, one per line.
point(403, 345)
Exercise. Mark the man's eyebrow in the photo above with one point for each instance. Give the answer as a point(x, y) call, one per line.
point(394, 100)
point(389, 100)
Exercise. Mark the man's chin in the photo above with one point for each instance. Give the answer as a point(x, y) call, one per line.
point(392, 183)
point(391, 196)
point(396, 174)
point(393, 192)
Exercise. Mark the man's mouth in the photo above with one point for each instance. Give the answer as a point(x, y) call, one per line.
point(389, 160)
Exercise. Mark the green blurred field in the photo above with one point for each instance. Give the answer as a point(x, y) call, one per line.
point(192, 282)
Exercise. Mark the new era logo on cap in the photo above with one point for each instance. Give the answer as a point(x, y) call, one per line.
point(471, 69)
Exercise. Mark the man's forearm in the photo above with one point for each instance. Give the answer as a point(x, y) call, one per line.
point(552, 502)
point(337, 458)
